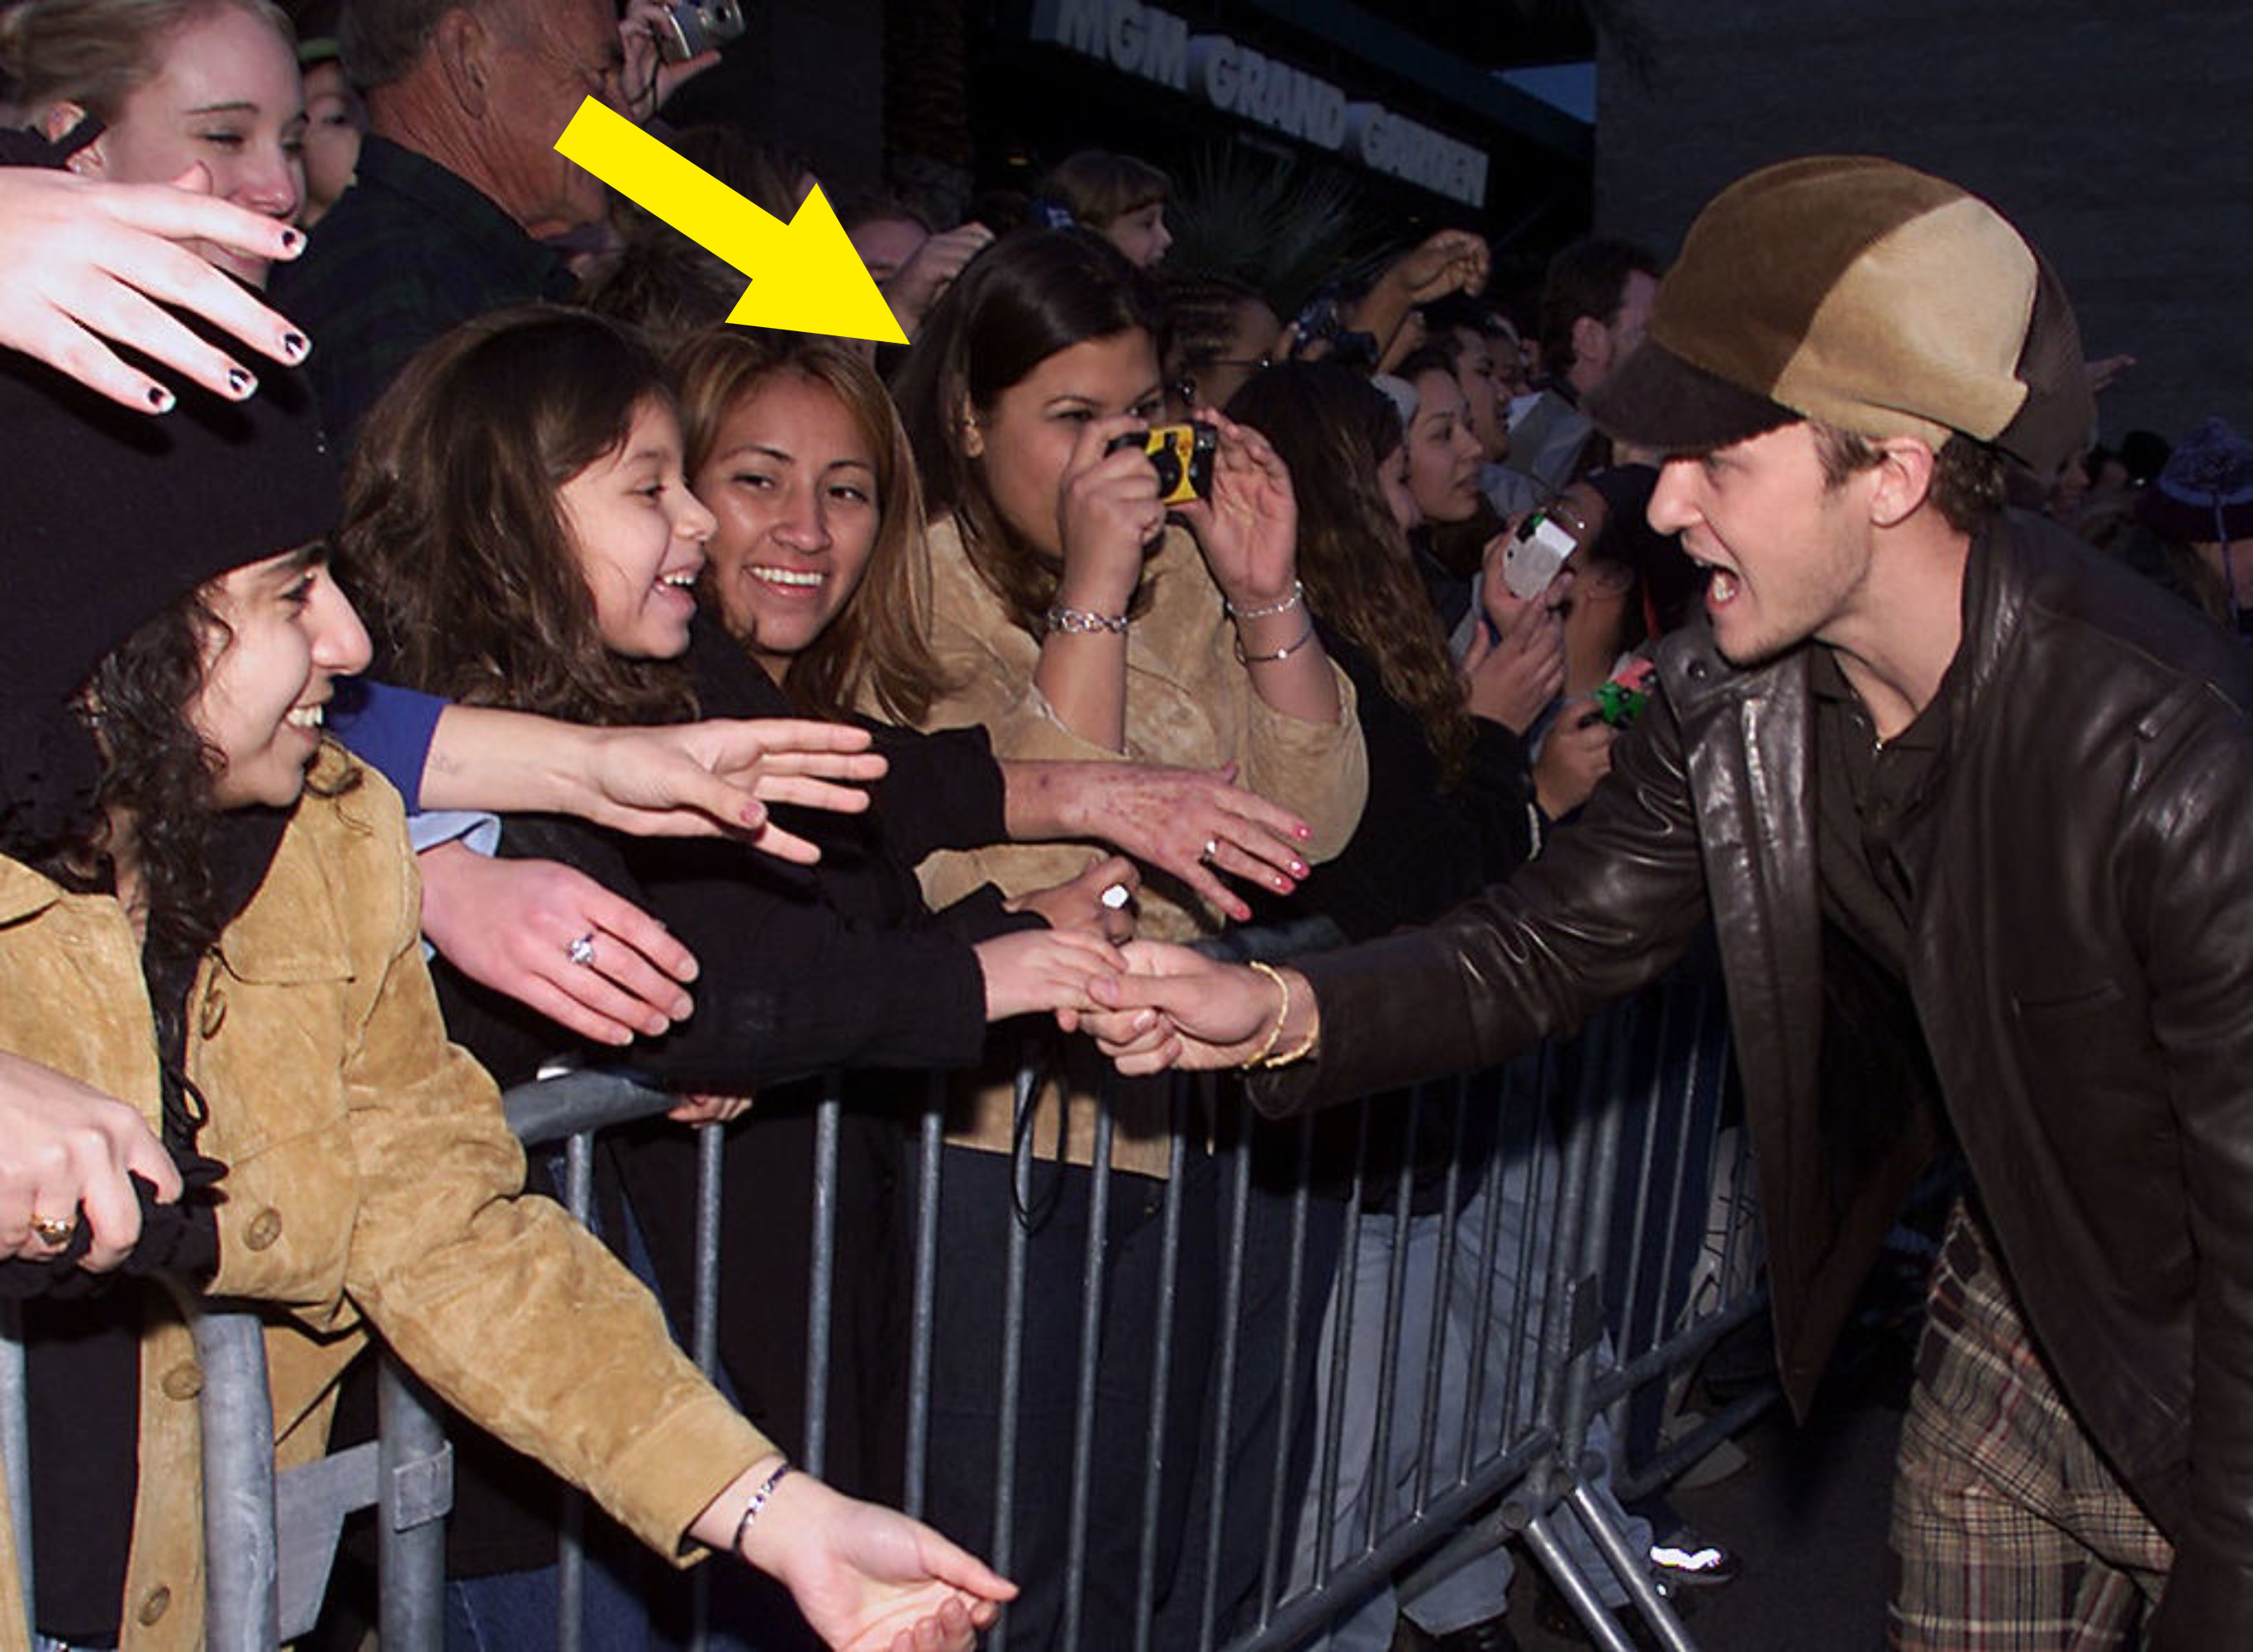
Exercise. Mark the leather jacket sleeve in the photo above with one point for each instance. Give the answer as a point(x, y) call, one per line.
point(1608, 907)
point(2196, 855)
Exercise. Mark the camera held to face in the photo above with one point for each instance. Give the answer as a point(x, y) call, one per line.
point(1183, 454)
point(695, 27)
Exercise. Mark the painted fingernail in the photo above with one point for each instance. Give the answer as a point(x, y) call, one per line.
point(1298, 869)
point(160, 398)
point(292, 241)
point(294, 346)
point(1305, 833)
point(238, 382)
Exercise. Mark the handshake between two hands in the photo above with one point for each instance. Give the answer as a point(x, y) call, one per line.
point(1175, 1008)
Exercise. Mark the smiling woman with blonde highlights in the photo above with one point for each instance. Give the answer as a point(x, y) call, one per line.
point(859, 644)
point(148, 89)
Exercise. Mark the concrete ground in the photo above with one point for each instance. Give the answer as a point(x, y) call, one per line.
point(1807, 1513)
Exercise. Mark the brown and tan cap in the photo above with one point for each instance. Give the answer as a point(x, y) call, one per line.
point(1863, 293)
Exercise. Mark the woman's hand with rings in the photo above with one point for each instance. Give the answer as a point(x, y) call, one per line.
point(67, 1156)
point(553, 938)
point(1107, 514)
point(1196, 824)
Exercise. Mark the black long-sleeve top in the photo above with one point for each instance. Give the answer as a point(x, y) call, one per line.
point(802, 968)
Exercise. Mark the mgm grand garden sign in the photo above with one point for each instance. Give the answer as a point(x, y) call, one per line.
point(1157, 47)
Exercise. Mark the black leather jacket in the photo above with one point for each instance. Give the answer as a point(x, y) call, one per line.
point(2081, 962)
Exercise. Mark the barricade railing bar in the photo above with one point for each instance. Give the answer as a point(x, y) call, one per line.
point(1424, 1325)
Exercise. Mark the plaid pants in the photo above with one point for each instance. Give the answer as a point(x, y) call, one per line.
point(2010, 1534)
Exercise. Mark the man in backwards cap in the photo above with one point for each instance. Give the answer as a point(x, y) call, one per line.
point(1942, 771)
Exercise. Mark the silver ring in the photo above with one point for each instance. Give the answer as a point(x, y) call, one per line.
point(55, 1230)
point(582, 950)
point(1211, 848)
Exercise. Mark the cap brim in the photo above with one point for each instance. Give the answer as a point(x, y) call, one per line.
point(1656, 400)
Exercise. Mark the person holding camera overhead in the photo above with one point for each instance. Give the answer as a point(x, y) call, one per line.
point(1081, 615)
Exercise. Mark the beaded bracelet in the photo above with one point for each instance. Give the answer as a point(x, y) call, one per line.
point(757, 1506)
point(1284, 653)
point(1298, 594)
point(1083, 621)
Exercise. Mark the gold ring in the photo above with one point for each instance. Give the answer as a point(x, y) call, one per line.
point(55, 1230)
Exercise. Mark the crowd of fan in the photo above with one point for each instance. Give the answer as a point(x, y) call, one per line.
point(764, 708)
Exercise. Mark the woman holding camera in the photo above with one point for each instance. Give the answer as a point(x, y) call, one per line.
point(1081, 615)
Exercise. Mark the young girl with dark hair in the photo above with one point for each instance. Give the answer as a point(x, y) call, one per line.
point(210, 913)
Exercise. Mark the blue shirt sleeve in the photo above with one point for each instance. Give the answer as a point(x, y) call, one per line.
point(389, 729)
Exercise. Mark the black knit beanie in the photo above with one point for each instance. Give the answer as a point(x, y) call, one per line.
point(106, 517)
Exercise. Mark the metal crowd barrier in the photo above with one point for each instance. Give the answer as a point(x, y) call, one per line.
point(1586, 1177)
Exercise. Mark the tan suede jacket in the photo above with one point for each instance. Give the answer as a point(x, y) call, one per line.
point(372, 1187)
point(1189, 701)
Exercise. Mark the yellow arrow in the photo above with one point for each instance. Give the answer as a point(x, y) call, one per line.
point(805, 277)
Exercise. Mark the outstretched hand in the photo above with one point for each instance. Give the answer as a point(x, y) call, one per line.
point(1449, 260)
point(516, 926)
point(700, 779)
point(868, 1579)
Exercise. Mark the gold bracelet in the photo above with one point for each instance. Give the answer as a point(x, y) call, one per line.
point(1306, 1047)
point(1282, 1011)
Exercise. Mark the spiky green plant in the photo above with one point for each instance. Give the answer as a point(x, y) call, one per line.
point(1272, 218)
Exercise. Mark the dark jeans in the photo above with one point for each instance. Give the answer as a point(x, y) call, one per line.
point(977, 1207)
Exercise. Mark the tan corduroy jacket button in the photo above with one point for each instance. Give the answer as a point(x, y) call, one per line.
point(158, 1603)
point(213, 1016)
point(264, 1229)
point(183, 1381)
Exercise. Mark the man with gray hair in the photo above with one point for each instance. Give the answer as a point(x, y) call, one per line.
point(1966, 806)
point(458, 186)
